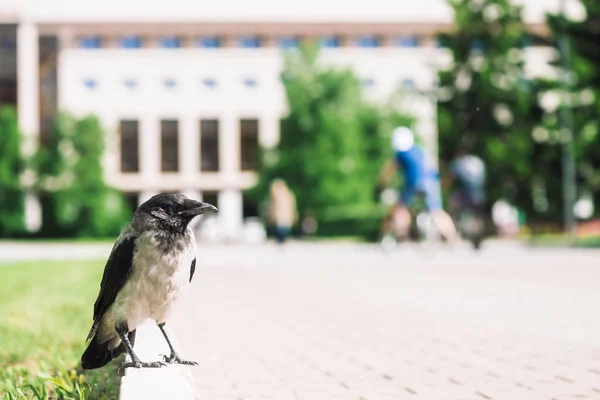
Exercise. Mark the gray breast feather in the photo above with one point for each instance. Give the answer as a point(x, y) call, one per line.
point(158, 279)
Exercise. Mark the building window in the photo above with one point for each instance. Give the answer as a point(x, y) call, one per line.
point(130, 42)
point(8, 91)
point(209, 145)
point(211, 198)
point(288, 42)
point(8, 43)
point(169, 140)
point(209, 42)
point(250, 83)
point(129, 146)
point(249, 42)
point(367, 41)
point(170, 83)
point(169, 42)
point(407, 41)
point(368, 82)
point(46, 130)
point(132, 200)
point(250, 208)
point(408, 84)
point(90, 83)
point(209, 83)
point(330, 41)
point(130, 84)
point(90, 42)
point(249, 144)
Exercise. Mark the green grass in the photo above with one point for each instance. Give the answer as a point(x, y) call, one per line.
point(562, 240)
point(45, 315)
point(344, 239)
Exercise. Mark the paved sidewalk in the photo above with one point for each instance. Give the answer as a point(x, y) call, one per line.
point(322, 322)
point(52, 251)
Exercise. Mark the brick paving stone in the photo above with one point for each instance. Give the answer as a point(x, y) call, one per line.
point(332, 322)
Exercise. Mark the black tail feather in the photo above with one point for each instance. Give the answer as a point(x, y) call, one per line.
point(98, 354)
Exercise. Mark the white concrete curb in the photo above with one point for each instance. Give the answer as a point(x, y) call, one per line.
point(171, 382)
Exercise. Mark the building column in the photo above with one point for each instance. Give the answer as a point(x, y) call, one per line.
point(189, 147)
point(230, 198)
point(28, 76)
point(231, 213)
point(269, 130)
point(28, 99)
point(111, 159)
point(149, 142)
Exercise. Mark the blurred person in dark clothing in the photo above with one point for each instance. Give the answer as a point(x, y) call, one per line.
point(467, 205)
point(467, 175)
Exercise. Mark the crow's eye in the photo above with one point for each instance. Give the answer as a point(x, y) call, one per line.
point(171, 208)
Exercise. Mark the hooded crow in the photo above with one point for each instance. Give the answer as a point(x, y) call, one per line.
point(151, 266)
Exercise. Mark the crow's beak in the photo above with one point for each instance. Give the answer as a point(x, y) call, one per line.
point(194, 208)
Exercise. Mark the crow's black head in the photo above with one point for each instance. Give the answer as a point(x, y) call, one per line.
point(171, 211)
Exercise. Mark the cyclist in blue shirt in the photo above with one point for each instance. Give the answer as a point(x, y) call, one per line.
point(421, 176)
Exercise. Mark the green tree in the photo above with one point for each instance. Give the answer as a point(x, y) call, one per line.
point(52, 165)
point(76, 202)
point(332, 142)
point(485, 100)
point(101, 210)
point(12, 194)
point(583, 94)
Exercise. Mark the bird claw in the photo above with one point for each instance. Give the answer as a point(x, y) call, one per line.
point(141, 364)
point(175, 359)
point(186, 362)
point(154, 364)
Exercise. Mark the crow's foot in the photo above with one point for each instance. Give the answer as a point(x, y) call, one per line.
point(140, 364)
point(175, 359)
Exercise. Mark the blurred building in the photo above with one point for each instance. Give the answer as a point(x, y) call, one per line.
point(188, 89)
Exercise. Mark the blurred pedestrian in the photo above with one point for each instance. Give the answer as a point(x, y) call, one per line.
point(506, 218)
point(282, 210)
point(309, 224)
point(421, 177)
point(467, 173)
point(467, 206)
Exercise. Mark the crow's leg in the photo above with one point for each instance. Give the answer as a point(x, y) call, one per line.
point(123, 331)
point(174, 357)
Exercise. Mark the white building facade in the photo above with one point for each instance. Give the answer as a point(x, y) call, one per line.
point(188, 90)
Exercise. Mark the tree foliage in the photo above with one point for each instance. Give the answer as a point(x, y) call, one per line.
point(583, 93)
point(76, 202)
point(333, 142)
point(485, 100)
point(12, 194)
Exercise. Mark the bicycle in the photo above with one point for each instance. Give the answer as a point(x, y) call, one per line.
point(469, 221)
point(422, 228)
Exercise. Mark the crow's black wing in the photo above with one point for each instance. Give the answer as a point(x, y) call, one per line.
point(192, 269)
point(117, 269)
